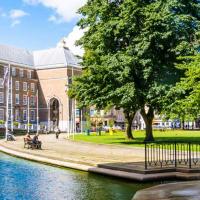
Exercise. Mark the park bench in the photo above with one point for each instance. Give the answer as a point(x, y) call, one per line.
point(29, 144)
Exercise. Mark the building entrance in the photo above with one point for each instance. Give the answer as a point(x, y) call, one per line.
point(54, 112)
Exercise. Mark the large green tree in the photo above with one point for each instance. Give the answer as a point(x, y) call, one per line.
point(131, 48)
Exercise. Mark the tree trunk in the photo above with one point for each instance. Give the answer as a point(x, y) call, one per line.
point(129, 117)
point(183, 124)
point(148, 119)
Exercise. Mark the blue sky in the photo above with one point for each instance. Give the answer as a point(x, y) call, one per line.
point(38, 24)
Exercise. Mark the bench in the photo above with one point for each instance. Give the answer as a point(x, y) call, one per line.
point(29, 145)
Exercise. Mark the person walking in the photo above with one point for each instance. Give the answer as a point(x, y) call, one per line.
point(57, 132)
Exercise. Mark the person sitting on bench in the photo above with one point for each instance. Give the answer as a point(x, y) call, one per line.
point(28, 137)
point(36, 141)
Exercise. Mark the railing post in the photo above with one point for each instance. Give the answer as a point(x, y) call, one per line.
point(190, 160)
point(175, 155)
point(145, 152)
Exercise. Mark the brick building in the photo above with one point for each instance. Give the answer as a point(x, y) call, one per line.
point(46, 73)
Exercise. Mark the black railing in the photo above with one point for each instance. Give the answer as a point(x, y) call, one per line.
point(172, 155)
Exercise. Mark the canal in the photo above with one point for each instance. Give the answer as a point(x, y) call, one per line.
point(25, 180)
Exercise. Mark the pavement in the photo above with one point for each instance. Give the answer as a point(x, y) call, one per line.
point(81, 152)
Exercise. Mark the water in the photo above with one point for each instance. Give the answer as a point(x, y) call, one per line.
point(24, 180)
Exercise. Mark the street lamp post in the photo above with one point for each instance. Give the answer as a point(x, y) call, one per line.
point(7, 99)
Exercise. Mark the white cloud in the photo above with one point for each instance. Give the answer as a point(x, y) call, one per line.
point(52, 18)
point(65, 10)
point(70, 40)
point(55, 19)
point(16, 14)
point(15, 22)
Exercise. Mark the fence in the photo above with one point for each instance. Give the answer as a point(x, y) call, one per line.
point(172, 155)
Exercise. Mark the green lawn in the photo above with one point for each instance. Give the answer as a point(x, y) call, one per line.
point(118, 138)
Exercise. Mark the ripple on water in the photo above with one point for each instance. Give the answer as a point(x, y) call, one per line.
point(24, 180)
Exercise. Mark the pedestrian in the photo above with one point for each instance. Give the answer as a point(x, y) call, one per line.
point(57, 132)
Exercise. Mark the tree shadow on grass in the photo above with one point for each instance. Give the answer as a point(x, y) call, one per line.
point(125, 141)
point(178, 139)
point(140, 141)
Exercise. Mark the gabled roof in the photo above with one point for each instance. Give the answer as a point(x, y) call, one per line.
point(56, 56)
point(43, 59)
point(16, 55)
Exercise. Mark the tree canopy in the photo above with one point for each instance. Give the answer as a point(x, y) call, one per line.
point(131, 49)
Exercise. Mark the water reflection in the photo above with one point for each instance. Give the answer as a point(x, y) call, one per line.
point(23, 180)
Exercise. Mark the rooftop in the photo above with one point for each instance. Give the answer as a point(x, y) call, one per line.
point(42, 59)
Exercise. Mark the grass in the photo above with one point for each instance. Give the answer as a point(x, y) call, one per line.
point(119, 138)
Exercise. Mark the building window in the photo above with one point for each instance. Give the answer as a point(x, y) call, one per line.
point(29, 74)
point(1, 114)
point(16, 115)
point(16, 98)
point(32, 100)
point(13, 71)
point(32, 87)
point(21, 73)
point(1, 82)
point(24, 115)
point(9, 98)
point(9, 114)
point(24, 99)
point(32, 117)
point(16, 85)
point(25, 86)
point(1, 97)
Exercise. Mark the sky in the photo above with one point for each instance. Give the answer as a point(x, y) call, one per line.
point(40, 24)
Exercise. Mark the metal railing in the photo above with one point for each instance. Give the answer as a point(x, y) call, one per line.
point(172, 155)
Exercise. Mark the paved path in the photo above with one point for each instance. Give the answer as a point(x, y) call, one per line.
point(79, 152)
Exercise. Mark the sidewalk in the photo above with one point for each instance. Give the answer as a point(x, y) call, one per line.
point(81, 152)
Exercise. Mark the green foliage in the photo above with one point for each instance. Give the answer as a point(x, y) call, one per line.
point(131, 49)
point(186, 93)
point(16, 124)
point(29, 124)
point(2, 122)
point(88, 122)
point(111, 123)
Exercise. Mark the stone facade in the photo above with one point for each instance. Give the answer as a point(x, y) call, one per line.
point(53, 85)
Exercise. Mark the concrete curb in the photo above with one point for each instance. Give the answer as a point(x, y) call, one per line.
point(44, 160)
